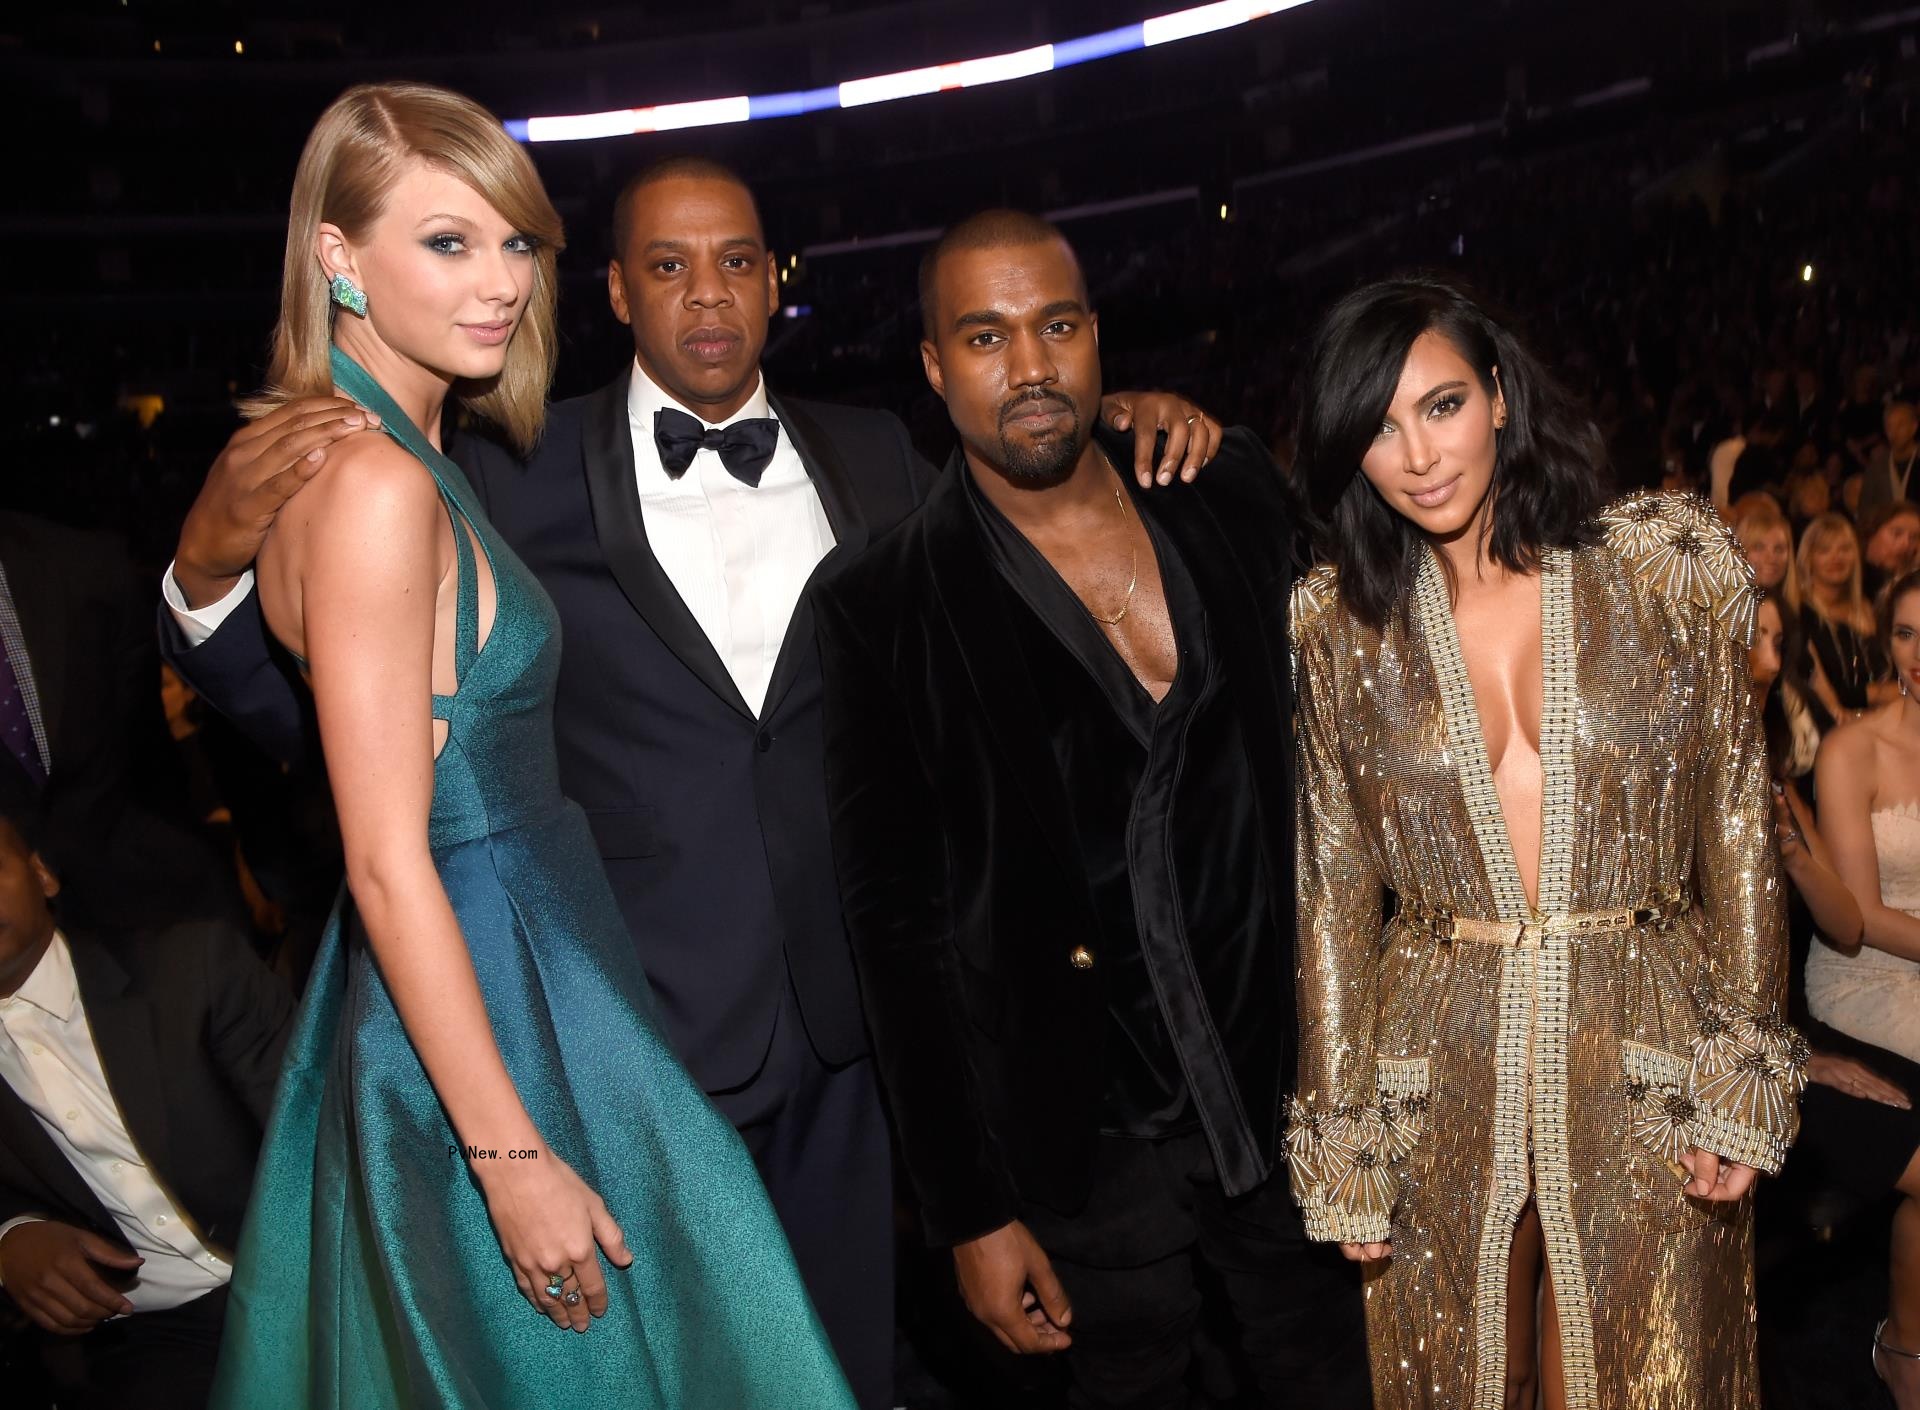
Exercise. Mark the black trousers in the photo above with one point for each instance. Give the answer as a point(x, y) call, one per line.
point(819, 1138)
point(154, 1360)
point(1129, 1264)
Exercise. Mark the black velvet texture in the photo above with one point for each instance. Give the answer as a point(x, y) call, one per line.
point(964, 888)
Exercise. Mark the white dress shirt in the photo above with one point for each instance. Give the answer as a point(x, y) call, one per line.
point(199, 623)
point(739, 556)
point(47, 1056)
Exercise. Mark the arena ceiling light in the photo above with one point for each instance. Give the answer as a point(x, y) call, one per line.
point(913, 83)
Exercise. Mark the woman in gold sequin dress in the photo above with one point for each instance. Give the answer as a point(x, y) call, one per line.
point(1541, 929)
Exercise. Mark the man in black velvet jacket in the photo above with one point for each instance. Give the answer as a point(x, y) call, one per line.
point(1058, 758)
point(687, 717)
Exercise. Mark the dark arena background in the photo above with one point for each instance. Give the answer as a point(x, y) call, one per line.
point(1705, 213)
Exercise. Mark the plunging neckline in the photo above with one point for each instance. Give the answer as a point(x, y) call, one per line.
point(1467, 740)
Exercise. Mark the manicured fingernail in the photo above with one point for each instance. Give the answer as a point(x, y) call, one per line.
point(316, 456)
point(356, 419)
point(373, 418)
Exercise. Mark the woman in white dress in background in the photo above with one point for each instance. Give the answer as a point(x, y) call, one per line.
point(1868, 782)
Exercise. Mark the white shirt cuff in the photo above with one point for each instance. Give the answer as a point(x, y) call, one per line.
point(10, 1226)
point(199, 623)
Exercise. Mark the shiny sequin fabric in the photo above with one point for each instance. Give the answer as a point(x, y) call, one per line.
point(1444, 1083)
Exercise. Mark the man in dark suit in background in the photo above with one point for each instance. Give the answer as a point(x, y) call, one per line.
point(83, 732)
point(677, 517)
point(135, 1081)
point(1059, 757)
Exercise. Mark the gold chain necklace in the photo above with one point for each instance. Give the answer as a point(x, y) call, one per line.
point(1133, 574)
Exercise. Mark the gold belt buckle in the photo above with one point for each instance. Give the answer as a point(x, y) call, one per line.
point(1532, 933)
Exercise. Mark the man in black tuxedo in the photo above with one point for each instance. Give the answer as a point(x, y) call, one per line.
point(1059, 762)
point(83, 731)
point(677, 517)
point(135, 1081)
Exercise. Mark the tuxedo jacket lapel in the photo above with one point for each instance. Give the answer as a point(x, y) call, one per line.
point(615, 496)
point(841, 502)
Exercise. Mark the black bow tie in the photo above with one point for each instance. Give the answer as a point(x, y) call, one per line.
point(744, 448)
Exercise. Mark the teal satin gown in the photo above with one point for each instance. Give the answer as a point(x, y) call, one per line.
point(369, 1274)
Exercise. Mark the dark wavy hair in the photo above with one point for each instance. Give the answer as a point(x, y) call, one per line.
point(1550, 469)
point(1775, 723)
point(1902, 586)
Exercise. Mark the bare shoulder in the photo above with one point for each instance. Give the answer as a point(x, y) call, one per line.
point(1854, 745)
point(372, 490)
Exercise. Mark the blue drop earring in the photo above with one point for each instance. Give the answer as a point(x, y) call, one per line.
point(348, 295)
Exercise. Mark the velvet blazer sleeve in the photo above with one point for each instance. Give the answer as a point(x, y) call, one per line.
point(890, 854)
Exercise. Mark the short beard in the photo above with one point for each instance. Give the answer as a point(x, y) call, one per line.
point(1050, 463)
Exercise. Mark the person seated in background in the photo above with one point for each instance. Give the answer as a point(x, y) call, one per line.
point(1809, 494)
point(1841, 655)
point(1760, 464)
point(1767, 538)
point(137, 1074)
point(1859, 1131)
point(1890, 544)
point(1888, 478)
point(84, 734)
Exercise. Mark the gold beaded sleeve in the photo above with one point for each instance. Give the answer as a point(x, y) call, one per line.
point(1343, 1131)
point(1748, 1064)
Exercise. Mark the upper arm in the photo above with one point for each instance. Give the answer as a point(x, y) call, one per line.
point(1843, 779)
point(371, 547)
point(249, 1017)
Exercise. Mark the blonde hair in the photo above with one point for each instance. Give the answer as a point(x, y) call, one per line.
point(1757, 514)
point(1821, 531)
point(356, 152)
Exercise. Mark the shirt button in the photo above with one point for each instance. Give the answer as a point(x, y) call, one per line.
point(73, 1114)
point(39, 1051)
point(161, 1221)
point(1080, 957)
point(118, 1167)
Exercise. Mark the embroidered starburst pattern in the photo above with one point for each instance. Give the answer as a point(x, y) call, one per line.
point(1679, 543)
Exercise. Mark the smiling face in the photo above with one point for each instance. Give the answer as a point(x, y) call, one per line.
point(697, 285)
point(1768, 548)
point(447, 279)
point(1015, 354)
point(1432, 459)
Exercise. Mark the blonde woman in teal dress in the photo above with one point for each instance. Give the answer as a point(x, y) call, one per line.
point(487, 1181)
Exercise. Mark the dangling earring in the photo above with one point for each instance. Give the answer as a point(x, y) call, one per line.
point(348, 295)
